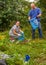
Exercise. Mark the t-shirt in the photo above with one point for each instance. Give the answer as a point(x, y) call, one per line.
point(34, 12)
point(16, 28)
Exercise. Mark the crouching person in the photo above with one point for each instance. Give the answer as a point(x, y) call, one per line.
point(16, 32)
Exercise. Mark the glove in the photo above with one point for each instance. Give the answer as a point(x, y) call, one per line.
point(19, 34)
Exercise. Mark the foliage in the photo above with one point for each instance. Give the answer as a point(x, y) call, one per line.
point(42, 5)
point(17, 52)
point(12, 10)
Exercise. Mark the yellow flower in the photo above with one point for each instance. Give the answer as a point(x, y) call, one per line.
point(2, 37)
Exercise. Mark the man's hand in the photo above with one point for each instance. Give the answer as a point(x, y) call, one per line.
point(29, 18)
point(38, 15)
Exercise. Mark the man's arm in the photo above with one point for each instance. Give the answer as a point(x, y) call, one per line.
point(39, 13)
point(29, 15)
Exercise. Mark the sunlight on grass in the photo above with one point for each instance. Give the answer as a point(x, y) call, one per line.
point(36, 49)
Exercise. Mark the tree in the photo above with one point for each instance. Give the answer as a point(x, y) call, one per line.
point(11, 10)
point(42, 4)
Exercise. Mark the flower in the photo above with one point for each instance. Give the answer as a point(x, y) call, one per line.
point(2, 37)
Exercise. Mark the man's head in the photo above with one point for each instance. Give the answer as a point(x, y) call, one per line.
point(17, 23)
point(33, 6)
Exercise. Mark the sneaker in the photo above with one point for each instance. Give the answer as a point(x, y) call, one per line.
point(12, 41)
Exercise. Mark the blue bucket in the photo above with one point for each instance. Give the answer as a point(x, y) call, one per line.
point(27, 58)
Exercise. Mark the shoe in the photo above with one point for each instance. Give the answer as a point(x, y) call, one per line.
point(12, 41)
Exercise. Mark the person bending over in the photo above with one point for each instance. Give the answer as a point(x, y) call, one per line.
point(16, 32)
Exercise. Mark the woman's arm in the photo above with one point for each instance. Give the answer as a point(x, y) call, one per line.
point(14, 31)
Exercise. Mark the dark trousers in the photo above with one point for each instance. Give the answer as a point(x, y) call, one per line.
point(39, 30)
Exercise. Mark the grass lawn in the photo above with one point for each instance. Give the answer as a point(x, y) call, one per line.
point(36, 49)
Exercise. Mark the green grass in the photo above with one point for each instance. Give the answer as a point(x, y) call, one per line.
point(36, 49)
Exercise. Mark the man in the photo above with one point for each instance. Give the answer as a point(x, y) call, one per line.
point(35, 12)
point(16, 32)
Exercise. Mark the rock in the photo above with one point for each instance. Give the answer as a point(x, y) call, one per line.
point(2, 62)
point(4, 56)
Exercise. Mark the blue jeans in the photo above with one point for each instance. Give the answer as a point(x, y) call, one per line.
point(39, 30)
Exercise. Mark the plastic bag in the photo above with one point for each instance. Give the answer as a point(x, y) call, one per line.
point(34, 23)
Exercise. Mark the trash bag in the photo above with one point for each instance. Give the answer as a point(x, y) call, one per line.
point(21, 38)
point(34, 23)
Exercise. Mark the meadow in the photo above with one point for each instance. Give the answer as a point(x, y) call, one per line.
point(36, 49)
